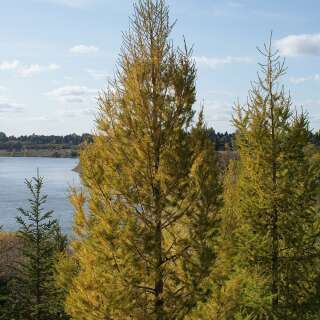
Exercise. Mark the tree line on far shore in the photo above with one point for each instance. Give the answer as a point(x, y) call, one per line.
point(38, 142)
point(223, 141)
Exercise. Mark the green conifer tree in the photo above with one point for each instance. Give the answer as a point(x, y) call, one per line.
point(145, 248)
point(33, 294)
point(271, 247)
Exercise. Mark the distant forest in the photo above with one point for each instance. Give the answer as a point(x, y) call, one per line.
point(35, 141)
point(222, 141)
point(41, 145)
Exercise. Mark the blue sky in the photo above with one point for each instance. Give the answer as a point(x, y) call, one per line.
point(55, 55)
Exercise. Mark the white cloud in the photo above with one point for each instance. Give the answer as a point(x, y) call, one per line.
point(296, 45)
point(9, 65)
point(218, 112)
point(213, 63)
point(28, 71)
point(298, 80)
point(84, 49)
point(73, 94)
point(7, 107)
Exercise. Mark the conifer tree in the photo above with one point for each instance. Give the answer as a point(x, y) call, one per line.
point(145, 247)
point(33, 293)
point(271, 250)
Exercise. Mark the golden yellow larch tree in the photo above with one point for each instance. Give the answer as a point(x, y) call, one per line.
point(145, 245)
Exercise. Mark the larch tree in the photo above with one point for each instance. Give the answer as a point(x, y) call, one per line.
point(32, 293)
point(270, 222)
point(225, 280)
point(145, 246)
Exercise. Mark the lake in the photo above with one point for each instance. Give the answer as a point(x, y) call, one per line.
point(58, 177)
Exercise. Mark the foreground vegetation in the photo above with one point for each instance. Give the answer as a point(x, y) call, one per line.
point(27, 282)
point(161, 230)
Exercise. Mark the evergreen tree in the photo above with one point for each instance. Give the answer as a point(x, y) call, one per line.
point(145, 248)
point(271, 247)
point(33, 294)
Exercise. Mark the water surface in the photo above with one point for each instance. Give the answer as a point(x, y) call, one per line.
point(58, 177)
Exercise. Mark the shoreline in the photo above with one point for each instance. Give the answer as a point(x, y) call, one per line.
point(45, 153)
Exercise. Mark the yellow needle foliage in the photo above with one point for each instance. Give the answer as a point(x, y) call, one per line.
point(147, 217)
point(269, 248)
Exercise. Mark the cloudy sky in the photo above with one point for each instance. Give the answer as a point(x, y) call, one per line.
point(55, 55)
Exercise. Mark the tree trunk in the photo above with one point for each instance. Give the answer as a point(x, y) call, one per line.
point(159, 303)
point(274, 218)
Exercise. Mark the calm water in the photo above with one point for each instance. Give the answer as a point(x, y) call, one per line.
point(58, 177)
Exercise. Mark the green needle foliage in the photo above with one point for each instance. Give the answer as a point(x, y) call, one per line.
point(145, 247)
point(33, 292)
point(270, 224)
